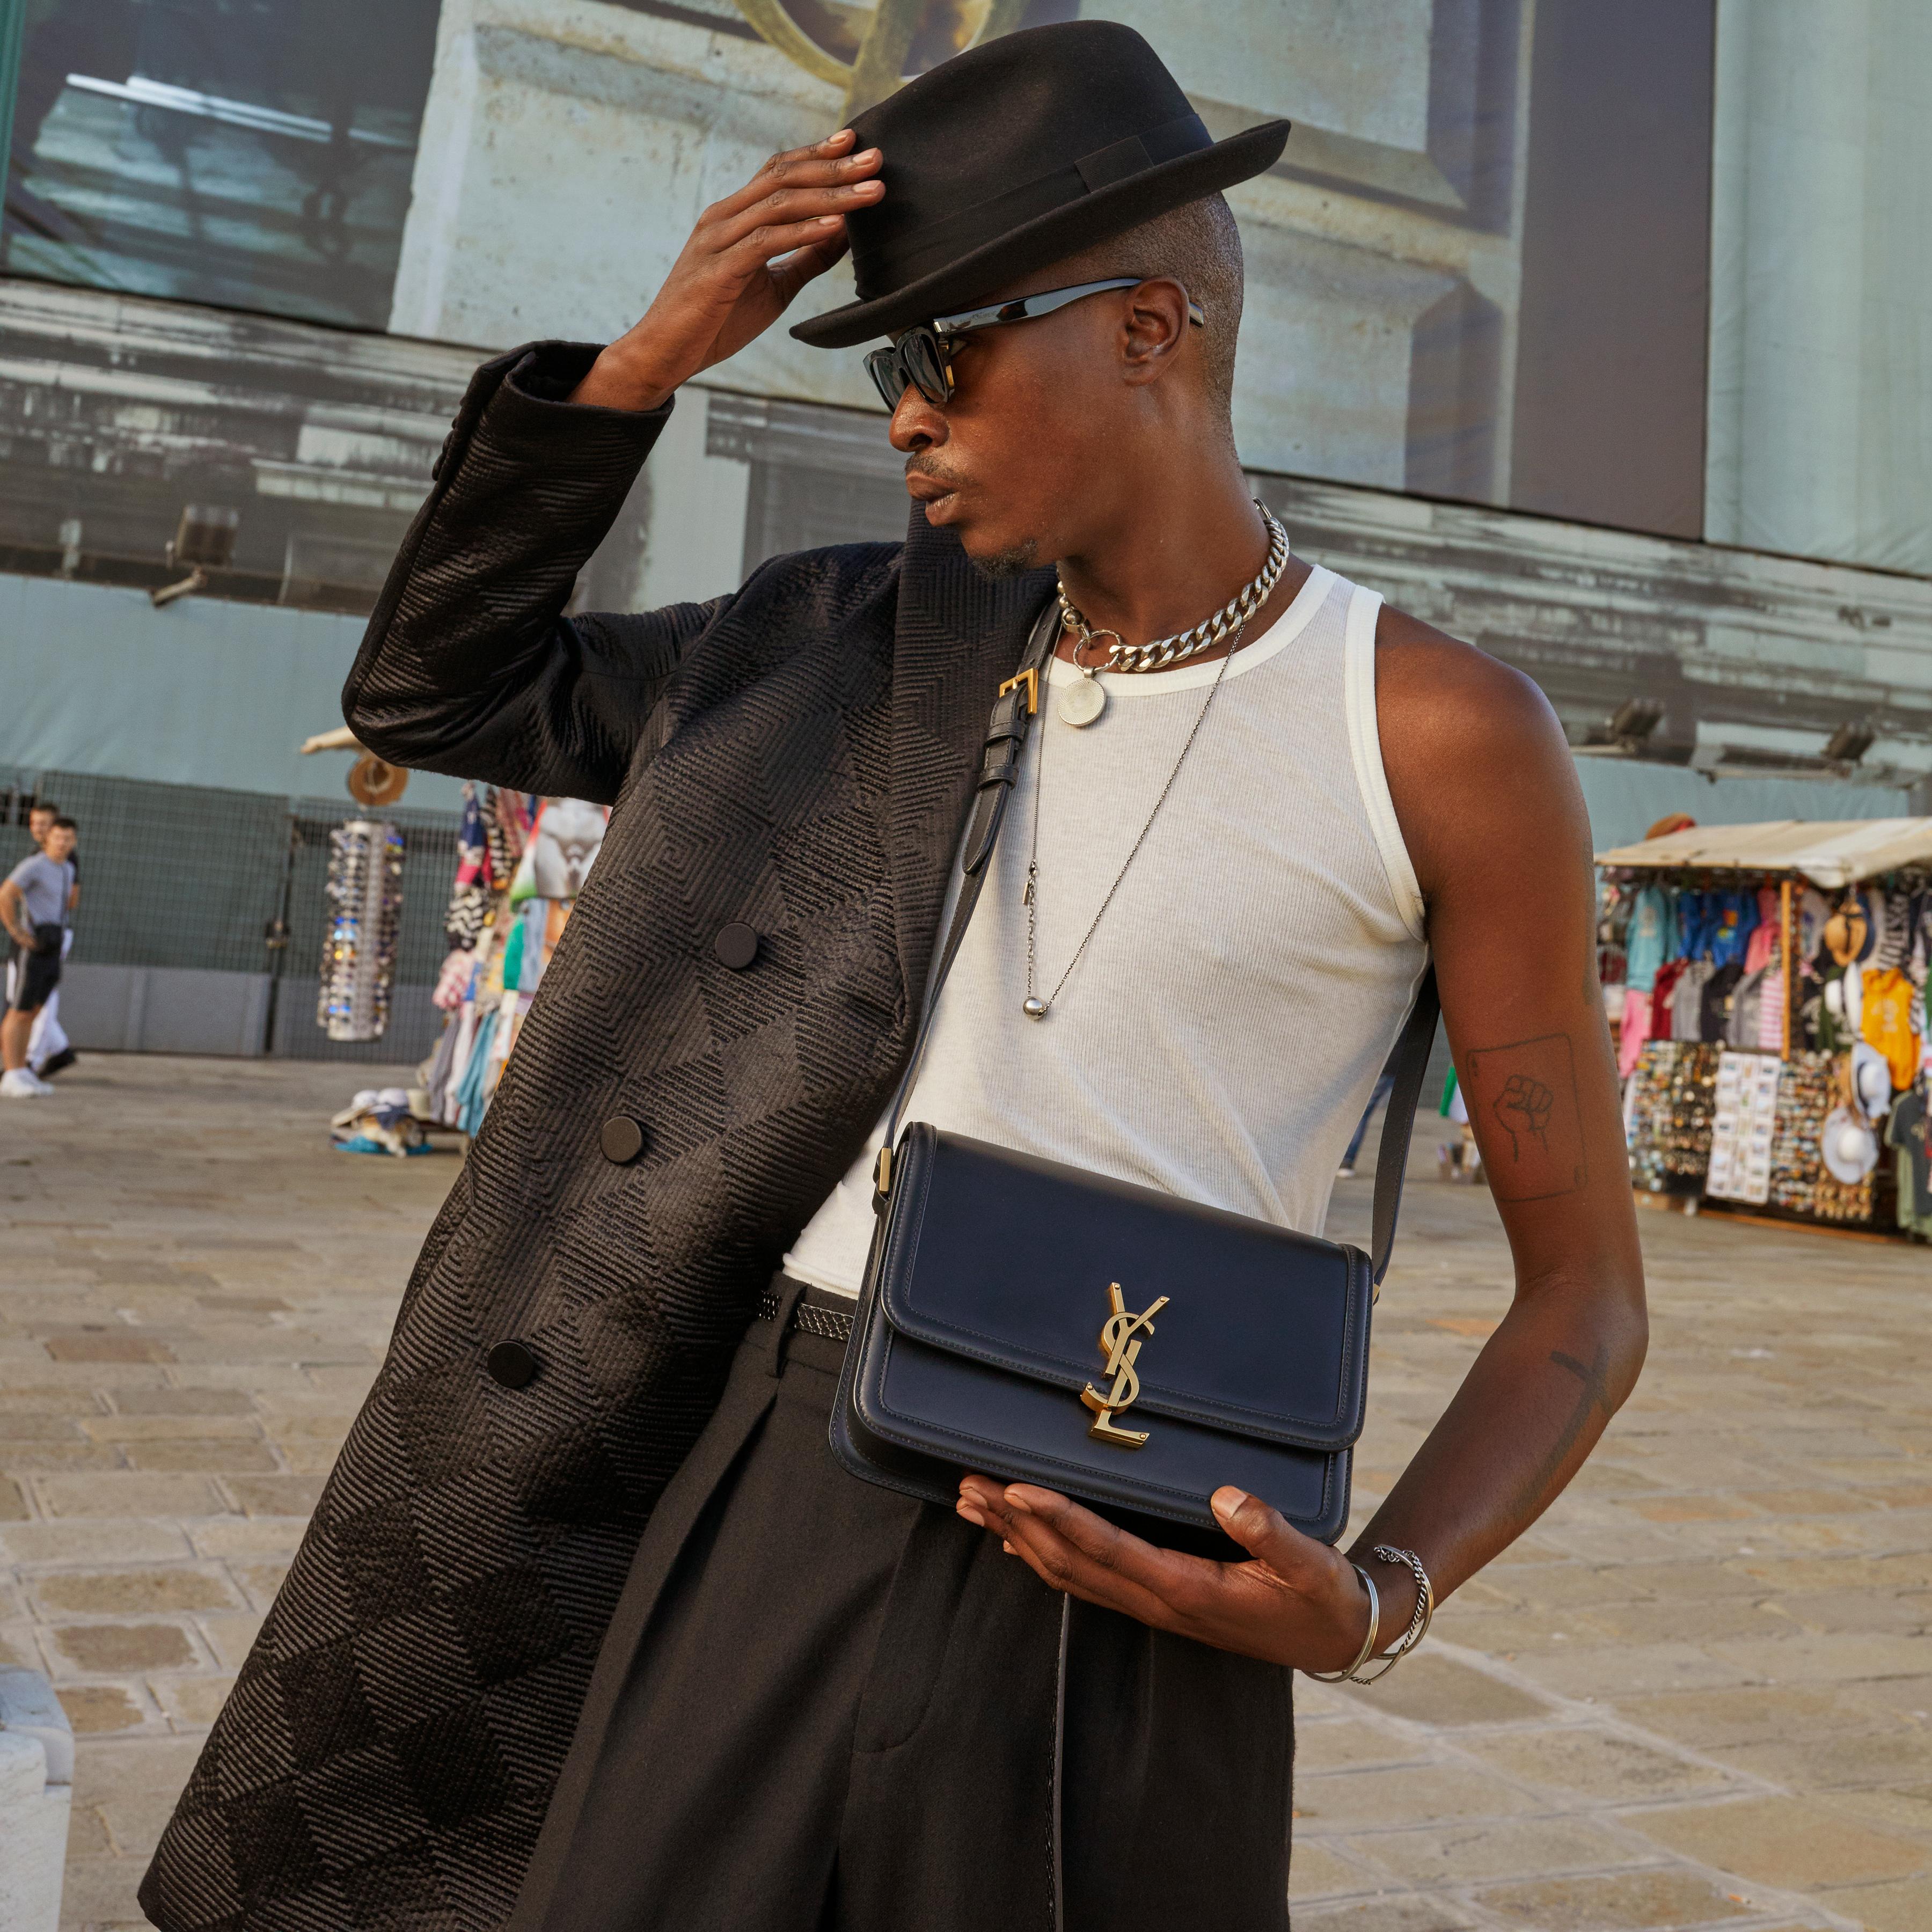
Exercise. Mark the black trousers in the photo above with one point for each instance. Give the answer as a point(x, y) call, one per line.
point(824, 1707)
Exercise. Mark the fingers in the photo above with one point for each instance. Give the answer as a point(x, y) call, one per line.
point(829, 165)
point(833, 149)
point(1268, 1536)
point(769, 240)
point(755, 227)
point(1071, 1549)
point(792, 273)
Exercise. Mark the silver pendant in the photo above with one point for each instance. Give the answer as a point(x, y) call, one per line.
point(1081, 703)
point(1034, 1008)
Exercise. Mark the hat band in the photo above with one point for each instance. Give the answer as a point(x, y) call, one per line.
point(940, 242)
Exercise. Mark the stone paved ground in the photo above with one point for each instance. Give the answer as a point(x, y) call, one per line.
point(1700, 1693)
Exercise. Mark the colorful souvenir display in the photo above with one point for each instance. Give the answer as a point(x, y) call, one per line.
point(521, 861)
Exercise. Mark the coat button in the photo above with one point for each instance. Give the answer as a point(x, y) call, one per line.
point(621, 1139)
point(736, 945)
point(512, 1363)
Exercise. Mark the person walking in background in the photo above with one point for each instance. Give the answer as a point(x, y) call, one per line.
point(49, 1050)
point(35, 901)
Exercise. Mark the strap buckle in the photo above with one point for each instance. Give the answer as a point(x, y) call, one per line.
point(1029, 677)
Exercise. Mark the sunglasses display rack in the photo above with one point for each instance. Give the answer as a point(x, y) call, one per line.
point(359, 953)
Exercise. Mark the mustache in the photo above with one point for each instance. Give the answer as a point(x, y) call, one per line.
point(927, 464)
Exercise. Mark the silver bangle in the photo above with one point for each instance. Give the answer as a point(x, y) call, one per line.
point(1418, 1625)
point(1348, 1676)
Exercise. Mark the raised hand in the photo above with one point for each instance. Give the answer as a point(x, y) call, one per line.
point(749, 254)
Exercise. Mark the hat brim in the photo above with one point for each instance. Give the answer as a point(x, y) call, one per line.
point(1050, 238)
point(1849, 1169)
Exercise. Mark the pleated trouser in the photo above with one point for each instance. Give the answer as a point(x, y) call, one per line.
point(825, 1707)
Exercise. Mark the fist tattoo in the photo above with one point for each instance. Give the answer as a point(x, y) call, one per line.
point(1522, 1109)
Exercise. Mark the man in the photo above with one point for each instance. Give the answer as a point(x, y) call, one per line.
point(35, 899)
point(49, 1050)
point(814, 1702)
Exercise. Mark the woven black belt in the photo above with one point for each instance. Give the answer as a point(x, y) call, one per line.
point(831, 1323)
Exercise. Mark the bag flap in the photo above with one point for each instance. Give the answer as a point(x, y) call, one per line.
point(1009, 1258)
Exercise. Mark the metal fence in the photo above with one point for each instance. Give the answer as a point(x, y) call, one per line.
point(189, 879)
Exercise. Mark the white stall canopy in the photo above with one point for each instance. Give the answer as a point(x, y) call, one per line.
point(1829, 852)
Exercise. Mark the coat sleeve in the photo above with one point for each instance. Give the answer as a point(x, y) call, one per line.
point(469, 665)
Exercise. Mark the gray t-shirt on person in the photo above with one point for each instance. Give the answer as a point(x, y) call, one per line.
point(44, 885)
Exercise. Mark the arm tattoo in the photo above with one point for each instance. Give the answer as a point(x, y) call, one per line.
point(1595, 1393)
point(1522, 1101)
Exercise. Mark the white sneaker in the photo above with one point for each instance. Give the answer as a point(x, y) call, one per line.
point(19, 1084)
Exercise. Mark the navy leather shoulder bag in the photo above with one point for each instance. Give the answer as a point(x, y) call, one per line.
point(1039, 1323)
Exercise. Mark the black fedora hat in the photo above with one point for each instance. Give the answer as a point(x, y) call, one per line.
point(1017, 154)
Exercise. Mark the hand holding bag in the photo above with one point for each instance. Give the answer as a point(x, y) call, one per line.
point(1036, 1323)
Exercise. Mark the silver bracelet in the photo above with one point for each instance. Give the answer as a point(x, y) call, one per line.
point(1418, 1625)
point(1348, 1676)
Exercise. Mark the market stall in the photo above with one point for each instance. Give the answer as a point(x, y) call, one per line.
point(1766, 985)
point(521, 861)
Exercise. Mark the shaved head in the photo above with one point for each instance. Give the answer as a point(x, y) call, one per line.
point(1199, 245)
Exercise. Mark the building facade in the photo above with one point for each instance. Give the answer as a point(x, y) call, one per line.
point(1600, 336)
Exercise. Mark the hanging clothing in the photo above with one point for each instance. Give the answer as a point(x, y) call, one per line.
point(1652, 936)
point(1764, 935)
point(1633, 1031)
point(1889, 1021)
point(1809, 911)
point(1664, 988)
point(1918, 954)
point(1892, 930)
point(1686, 1001)
point(1771, 1006)
point(1740, 1029)
point(472, 1096)
point(1693, 925)
point(1734, 918)
point(1720, 988)
point(1906, 1132)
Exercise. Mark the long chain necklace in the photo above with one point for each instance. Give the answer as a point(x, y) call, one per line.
point(1034, 1006)
point(1081, 703)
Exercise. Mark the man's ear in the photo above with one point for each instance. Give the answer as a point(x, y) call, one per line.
point(1155, 327)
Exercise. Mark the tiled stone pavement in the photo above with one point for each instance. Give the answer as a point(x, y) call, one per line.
point(1697, 1694)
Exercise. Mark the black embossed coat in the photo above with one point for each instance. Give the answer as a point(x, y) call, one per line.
point(796, 758)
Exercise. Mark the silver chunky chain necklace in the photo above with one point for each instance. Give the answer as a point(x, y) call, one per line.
point(1034, 1006)
point(1081, 703)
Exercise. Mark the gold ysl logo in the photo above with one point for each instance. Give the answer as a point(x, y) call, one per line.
point(1120, 1343)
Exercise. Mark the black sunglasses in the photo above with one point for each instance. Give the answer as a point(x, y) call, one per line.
point(922, 356)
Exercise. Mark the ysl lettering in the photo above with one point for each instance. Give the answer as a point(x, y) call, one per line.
point(1120, 1343)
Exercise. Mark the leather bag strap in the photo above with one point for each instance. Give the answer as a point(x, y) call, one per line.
point(1006, 734)
point(1408, 1063)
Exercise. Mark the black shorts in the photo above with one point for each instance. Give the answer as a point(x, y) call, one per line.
point(37, 974)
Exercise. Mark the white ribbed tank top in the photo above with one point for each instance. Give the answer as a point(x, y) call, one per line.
point(1221, 1034)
